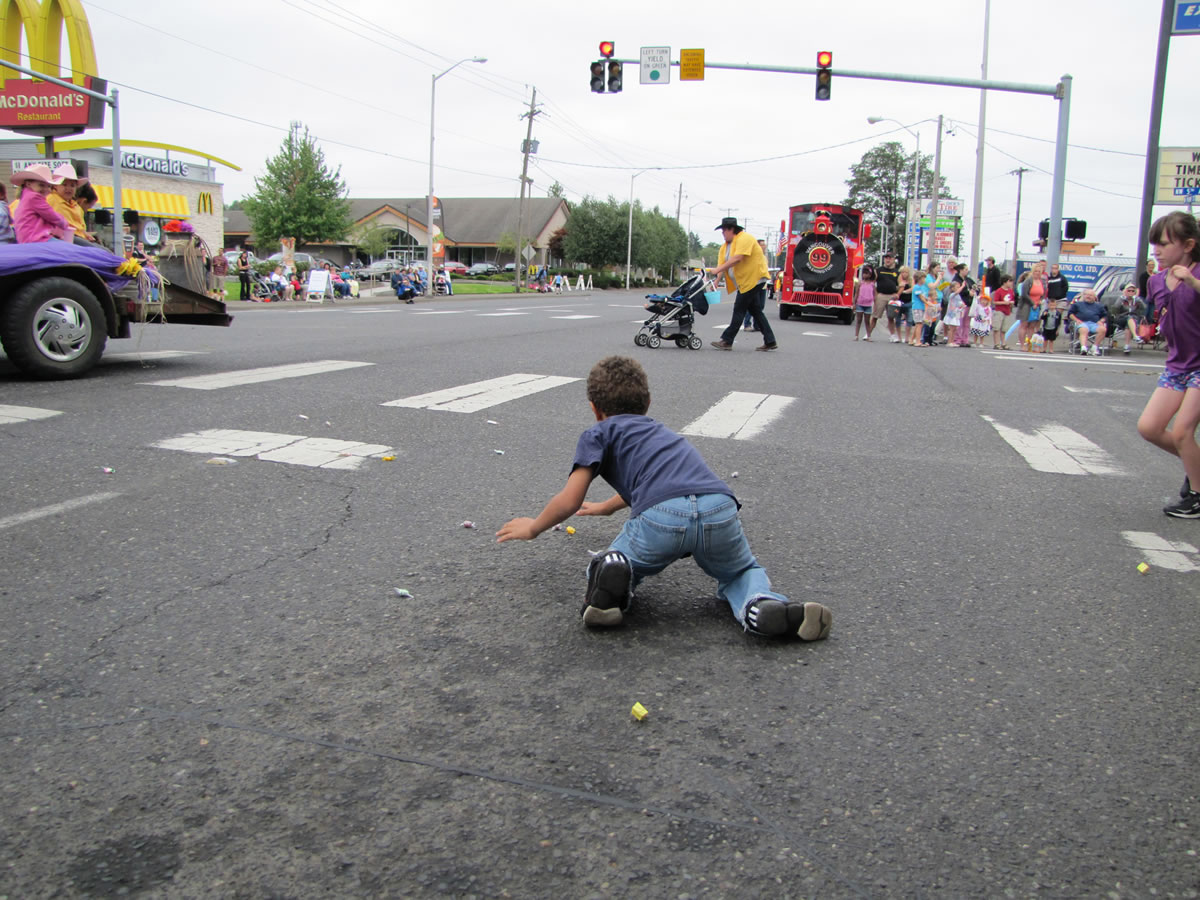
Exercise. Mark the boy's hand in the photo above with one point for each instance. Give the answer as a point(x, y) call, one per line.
point(593, 509)
point(516, 530)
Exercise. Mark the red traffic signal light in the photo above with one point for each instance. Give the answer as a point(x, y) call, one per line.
point(824, 74)
point(607, 49)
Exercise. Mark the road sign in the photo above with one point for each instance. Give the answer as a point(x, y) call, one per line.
point(529, 253)
point(691, 65)
point(1187, 18)
point(1178, 175)
point(656, 65)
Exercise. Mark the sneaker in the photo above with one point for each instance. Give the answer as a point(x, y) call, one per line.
point(608, 592)
point(722, 345)
point(811, 621)
point(768, 616)
point(1187, 487)
point(1187, 508)
point(771, 346)
point(1126, 351)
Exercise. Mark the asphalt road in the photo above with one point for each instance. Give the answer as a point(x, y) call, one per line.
point(210, 687)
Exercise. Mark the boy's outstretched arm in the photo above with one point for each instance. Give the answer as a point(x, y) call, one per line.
point(605, 508)
point(560, 508)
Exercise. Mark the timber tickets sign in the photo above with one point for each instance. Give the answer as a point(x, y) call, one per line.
point(38, 107)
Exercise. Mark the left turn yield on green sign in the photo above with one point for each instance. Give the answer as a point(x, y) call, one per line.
point(656, 65)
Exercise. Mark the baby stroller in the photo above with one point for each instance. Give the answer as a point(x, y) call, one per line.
point(262, 289)
point(673, 316)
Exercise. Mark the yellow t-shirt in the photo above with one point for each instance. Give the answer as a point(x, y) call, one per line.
point(69, 210)
point(751, 270)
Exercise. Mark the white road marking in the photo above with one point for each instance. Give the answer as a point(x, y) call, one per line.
point(149, 354)
point(382, 309)
point(324, 453)
point(822, 333)
point(479, 395)
point(1058, 450)
point(54, 509)
point(593, 317)
point(739, 415)
point(256, 376)
point(1161, 552)
point(1071, 360)
point(445, 312)
point(11, 415)
point(1115, 391)
point(483, 315)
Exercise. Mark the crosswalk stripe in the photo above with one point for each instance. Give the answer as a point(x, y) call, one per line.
point(140, 356)
point(256, 376)
point(12, 415)
point(575, 317)
point(1160, 552)
point(498, 314)
point(1057, 449)
point(323, 453)
point(739, 415)
point(479, 395)
point(54, 509)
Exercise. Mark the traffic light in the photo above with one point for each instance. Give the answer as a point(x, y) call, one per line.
point(1076, 229)
point(1044, 229)
point(824, 74)
point(613, 83)
point(614, 76)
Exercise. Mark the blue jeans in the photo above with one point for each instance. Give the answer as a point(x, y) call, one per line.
point(706, 526)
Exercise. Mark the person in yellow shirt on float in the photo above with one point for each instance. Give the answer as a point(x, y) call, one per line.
point(742, 264)
point(62, 201)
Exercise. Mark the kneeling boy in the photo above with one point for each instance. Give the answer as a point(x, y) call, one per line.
point(678, 506)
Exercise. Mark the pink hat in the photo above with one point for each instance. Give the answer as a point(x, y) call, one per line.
point(36, 172)
point(66, 172)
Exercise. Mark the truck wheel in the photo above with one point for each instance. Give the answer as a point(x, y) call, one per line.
point(784, 312)
point(53, 328)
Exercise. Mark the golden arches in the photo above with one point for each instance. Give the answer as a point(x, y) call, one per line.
point(43, 23)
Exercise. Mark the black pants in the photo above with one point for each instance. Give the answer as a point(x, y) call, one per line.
point(749, 303)
point(244, 278)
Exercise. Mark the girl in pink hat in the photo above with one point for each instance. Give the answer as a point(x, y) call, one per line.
point(35, 222)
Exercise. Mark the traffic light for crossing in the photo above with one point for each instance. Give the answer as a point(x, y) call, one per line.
point(598, 76)
point(824, 74)
point(614, 76)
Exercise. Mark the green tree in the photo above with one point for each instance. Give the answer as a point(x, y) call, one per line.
point(880, 183)
point(298, 196)
point(658, 241)
point(556, 190)
point(598, 232)
point(375, 240)
point(506, 243)
point(709, 254)
point(557, 244)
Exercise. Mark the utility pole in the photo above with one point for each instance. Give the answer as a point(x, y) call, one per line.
point(679, 202)
point(518, 258)
point(937, 179)
point(1017, 227)
point(1156, 103)
point(977, 205)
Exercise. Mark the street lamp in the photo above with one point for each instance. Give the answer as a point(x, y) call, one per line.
point(690, 208)
point(875, 120)
point(629, 241)
point(429, 198)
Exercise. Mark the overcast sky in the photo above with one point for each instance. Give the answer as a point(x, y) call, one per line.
point(227, 77)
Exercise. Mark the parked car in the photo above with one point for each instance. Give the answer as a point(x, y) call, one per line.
point(483, 268)
point(512, 267)
point(380, 269)
point(306, 259)
point(454, 268)
point(232, 257)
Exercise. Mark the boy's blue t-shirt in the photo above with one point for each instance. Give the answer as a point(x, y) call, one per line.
point(645, 462)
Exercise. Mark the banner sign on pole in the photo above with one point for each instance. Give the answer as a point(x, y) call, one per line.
point(1178, 175)
point(1187, 18)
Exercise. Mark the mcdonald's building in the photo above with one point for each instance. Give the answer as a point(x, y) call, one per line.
point(160, 182)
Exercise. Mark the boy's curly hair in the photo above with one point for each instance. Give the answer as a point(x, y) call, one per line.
point(618, 385)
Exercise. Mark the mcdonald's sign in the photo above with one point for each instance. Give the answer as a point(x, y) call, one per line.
point(204, 203)
point(39, 107)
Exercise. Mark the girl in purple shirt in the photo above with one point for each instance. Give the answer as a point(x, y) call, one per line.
point(1174, 296)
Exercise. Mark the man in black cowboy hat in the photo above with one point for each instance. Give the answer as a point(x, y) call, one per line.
point(744, 267)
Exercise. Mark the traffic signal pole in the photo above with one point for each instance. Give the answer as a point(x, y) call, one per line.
point(1060, 92)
